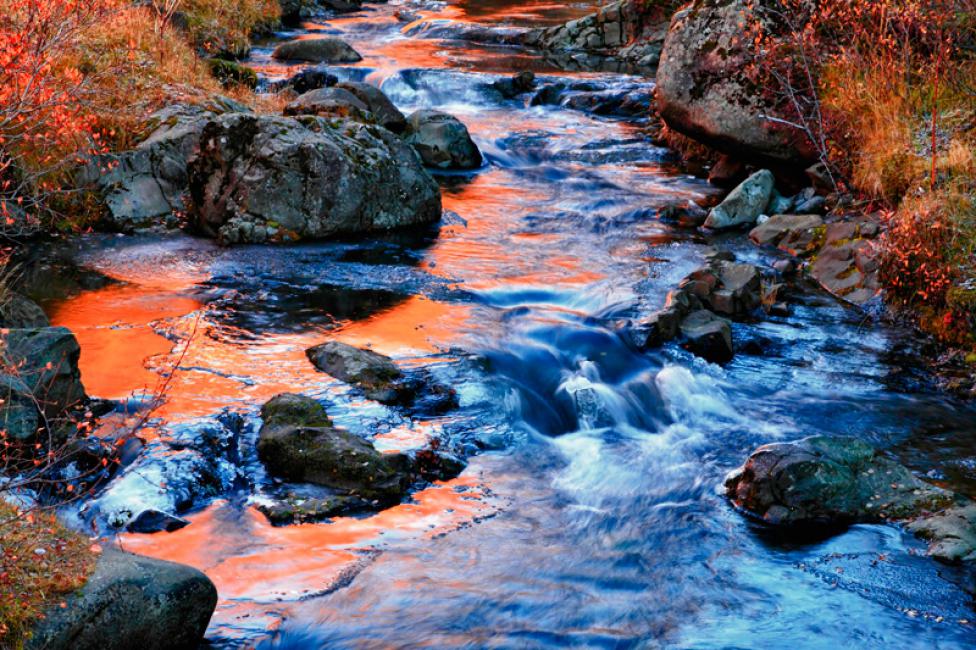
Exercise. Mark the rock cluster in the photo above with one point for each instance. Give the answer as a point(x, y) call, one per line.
point(692, 310)
point(298, 443)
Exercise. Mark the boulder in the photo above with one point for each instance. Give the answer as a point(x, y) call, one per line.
point(516, 85)
point(329, 102)
point(744, 204)
point(376, 375)
point(39, 379)
point(308, 79)
point(266, 178)
point(824, 480)
point(131, 602)
point(797, 234)
point(708, 336)
point(18, 311)
point(378, 104)
point(705, 92)
point(298, 443)
point(317, 50)
point(442, 140)
point(952, 534)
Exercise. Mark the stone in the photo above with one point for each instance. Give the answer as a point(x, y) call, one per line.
point(951, 533)
point(744, 204)
point(797, 234)
point(40, 381)
point(686, 215)
point(378, 377)
point(317, 50)
point(442, 141)
point(708, 336)
point(521, 83)
point(130, 601)
point(272, 179)
point(308, 79)
point(727, 172)
point(231, 73)
point(813, 205)
point(18, 311)
point(329, 102)
point(378, 104)
point(703, 93)
point(825, 480)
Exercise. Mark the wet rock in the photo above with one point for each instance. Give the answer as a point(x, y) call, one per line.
point(406, 16)
point(952, 534)
point(797, 234)
point(708, 336)
point(308, 449)
point(378, 377)
point(704, 93)
point(292, 508)
point(40, 381)
point(441, 140)
point(378, 104)
point(813, 205)
point(727, 172)
point(846, 265)
point(744, 204)
point(329, 102)
point(308, 79)
point(686, 215)
point(317, 50)
point(269, 179)
point(154, 521)
point(780, 204)
point(825, 480)
point(728, 288)
point(18, 311)
point(131, 601)
point(519, 84)
point(628, 30)
point(143, 187)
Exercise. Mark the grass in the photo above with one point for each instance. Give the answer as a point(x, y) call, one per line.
point(223, 28)
point(41, 563)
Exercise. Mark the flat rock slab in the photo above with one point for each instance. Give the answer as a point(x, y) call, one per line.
point(796, 234)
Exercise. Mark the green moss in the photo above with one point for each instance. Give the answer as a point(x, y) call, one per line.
point(231, 73)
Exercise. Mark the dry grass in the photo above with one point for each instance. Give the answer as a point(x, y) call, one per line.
point(41, 562)
point(224, 27)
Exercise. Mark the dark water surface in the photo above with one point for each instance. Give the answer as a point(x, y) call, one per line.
point(590, 514)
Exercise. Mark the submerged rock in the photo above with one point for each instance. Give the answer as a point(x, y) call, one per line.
point(442, 140)
point(317, 50)
point(704, 92)
point(265, 179)
point(827, 480)
point(131, 601)
point(708, 336)
point(744, 204)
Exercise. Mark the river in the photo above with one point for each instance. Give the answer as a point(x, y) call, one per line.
point(590, 514)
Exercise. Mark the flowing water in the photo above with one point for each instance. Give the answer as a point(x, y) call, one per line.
point(590, 513)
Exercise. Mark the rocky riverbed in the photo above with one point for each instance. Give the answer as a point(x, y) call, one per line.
point(455, 354)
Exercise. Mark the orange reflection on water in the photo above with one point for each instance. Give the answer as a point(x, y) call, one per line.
point(418, 325)
point(112, 325)
point(246, 557)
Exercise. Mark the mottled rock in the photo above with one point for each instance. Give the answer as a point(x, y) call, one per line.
point(442, 140)
point(378, 104)
point(825, 480)
point(18, 311)
point(952, 534)
point(704, 93)
point(317, 50)
point(744, 204)
point(269, 179)
point(131, 602)
point(378, 377)
point(797, 234)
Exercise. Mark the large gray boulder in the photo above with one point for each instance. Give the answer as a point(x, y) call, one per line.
point(705, 93)
point(317, 50)
point(263, 178)
point(824, 480)
point(129, 602)
point(143, 187)
point(442, 140)
point(744, 204)
point(328, 102)
point(39, 380)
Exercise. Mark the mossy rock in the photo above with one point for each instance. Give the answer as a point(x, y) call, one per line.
point(231, 73)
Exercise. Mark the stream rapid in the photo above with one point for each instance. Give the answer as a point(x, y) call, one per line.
point(590, 514)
